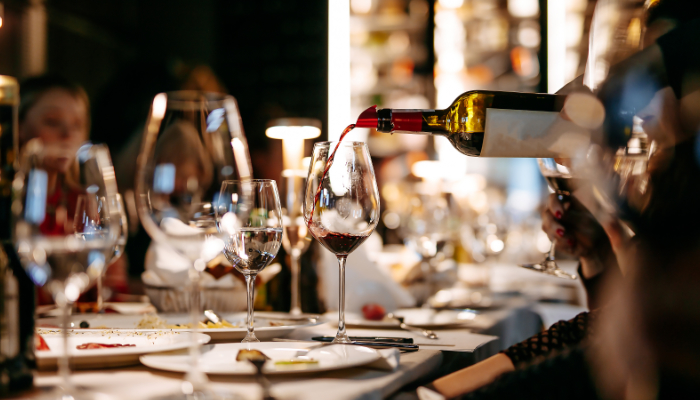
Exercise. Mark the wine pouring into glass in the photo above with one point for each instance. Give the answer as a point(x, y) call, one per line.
point(192, 143)
point(341, 205)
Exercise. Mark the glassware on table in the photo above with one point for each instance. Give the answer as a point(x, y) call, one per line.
point(118, 204)
point(341, 205)
point(296, 238)
point(192, 143)
point(426, 228)
point(563, 182)
point(254, 243)
point(64, 257)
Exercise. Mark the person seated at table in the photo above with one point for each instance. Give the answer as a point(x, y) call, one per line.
point(55, 111)
point(575, 230)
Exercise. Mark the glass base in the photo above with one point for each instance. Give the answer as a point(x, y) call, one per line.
point(342, 338)
point(250, 338)
point(73, 393)
point(200, 395)
point(295, 311)
point(549, 267)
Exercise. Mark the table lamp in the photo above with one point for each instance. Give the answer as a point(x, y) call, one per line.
point(293, 131)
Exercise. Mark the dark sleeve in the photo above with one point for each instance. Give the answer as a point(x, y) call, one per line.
point(562, 335)
point(682, 57)
point(565, 376)
point(594, 285)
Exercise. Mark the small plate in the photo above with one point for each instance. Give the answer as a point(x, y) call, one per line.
point(268, 325)
point(145, 342)
point(220, 359)
point(419, 317)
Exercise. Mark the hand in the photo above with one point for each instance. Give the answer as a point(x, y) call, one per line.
point(571, 227)
point(575, 231)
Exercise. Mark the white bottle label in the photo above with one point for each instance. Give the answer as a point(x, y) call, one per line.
point(531, 134)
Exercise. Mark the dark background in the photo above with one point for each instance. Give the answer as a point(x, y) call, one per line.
point(269, 54)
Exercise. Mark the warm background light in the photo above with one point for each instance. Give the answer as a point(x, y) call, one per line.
point(292, 132)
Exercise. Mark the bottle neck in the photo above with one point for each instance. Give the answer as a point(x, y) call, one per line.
point(398, 120)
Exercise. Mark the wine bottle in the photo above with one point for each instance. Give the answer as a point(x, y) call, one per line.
point(17, 291)
point(484, 123)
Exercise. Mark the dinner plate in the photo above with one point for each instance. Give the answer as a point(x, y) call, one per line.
point(145, 342)
point(420, 317)
point(268, 325)
point(220, 359)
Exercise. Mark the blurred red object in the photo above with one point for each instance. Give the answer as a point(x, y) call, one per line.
point(373, 312)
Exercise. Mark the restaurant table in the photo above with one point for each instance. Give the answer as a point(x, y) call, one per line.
point(491, 331)
point(140, 382)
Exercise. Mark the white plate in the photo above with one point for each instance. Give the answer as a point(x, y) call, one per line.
point(145, 341)
point(220, 359)
point(420, 317)
point(263, 330)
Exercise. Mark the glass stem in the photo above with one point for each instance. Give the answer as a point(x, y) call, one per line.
point(341, 336)
point(550, 255)
point(250, 288)
point(64, 361)
point(196, 377)
point(295, 308)
point(100, 301)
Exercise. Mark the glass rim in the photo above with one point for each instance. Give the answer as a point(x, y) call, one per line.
point(249, 180)
point(185, 98)
point(343, 143)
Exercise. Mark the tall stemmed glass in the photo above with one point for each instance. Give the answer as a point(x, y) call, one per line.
point(296, 238)
point(563, 182)
point(341, 205)
point(255, 243)
point(64, 257)
point(192, 143)
point(120, 244)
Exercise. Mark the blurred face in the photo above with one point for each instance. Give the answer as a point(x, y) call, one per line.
point(59, 120)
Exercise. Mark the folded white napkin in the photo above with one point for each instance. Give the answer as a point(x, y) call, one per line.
point(365, 281)
point(389, 361)
point(166, 266)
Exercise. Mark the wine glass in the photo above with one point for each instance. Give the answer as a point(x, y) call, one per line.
point(341, 205)
point(426, 228)
point(254, 243)
point(83, 219)
point(57, 254)
point(192, 143)
point(563, 182)
point(296, 238)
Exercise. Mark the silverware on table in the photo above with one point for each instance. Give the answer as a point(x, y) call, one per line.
point(212, 316)
point(405, 347)
point(426, 332)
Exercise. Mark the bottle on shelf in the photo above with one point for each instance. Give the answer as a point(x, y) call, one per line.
point(17, 291)
point(483, 123)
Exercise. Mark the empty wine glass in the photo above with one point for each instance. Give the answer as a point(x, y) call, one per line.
point(296, 238)
point(253, 241)
point(341, 205)
point(82, 219)
point(64, 257)
point(192, 143)
point(563, 182)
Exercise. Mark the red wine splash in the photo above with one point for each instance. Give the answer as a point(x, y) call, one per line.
point(328, 166)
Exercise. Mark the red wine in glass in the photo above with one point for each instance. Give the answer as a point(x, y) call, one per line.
point(349, 210)
point(341, 243)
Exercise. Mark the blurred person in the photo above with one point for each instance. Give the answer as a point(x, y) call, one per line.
point(576, 231)
point(55, 112)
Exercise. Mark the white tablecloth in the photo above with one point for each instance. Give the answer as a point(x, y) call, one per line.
point(139, 382)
